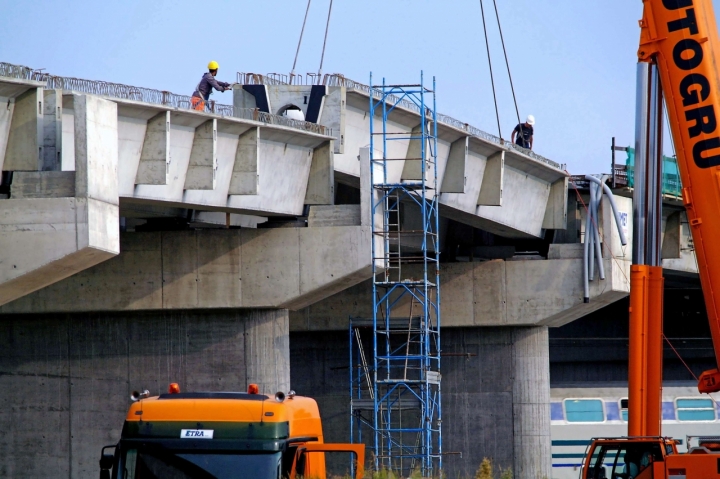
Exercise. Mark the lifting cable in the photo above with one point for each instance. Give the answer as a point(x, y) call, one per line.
point(322, 57)
point(297, 52)
point(492, 78)
point(507, 63)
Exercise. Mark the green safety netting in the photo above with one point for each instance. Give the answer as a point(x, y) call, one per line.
point(670, 176)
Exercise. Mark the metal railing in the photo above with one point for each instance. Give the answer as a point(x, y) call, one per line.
point(336, 79)
point(148, 95)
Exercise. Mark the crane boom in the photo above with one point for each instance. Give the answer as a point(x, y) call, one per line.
point(681, 38)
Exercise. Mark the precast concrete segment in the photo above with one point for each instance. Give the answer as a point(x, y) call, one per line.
point(67, 378)
point(245, 169)
point(154, 167)
point(321, 180)
point(403, 120)
point(52, 131)
point(491, 190)
point(412, 166)
point(282, 176)
point(490, 293)
point(332, 115)
point(531, 403)
point(453, 178)
point(203, 165)
point(557, 206)
point(48, 239)
point(237, 268)
point(25, 139)
point(10, 90)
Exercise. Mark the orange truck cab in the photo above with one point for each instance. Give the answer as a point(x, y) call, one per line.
point(651, 457)
point(229, 435)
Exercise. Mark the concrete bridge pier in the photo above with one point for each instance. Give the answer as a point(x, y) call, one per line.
point(66, 378)
point(531, 402)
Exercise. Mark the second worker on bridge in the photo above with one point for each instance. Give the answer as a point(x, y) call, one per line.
point(204, 88)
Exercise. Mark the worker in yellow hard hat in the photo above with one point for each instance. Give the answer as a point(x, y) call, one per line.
point(204, 88)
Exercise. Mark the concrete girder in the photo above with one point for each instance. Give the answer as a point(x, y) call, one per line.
point(531, 185)
point(239, 268)
point(157, 150)
point(45, 240)
point(517, 293)
point(11, 90)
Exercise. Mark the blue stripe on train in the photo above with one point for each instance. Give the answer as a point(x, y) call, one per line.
point(612, 411)
point(571, 442)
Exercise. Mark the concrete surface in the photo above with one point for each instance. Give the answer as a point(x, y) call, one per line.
point(468, 196)
point(46, 239)
point(486, 412)
point(491, 293)
point(67, 379)
point(237, 268)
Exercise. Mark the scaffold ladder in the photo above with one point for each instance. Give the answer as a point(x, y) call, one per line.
point(395, 355)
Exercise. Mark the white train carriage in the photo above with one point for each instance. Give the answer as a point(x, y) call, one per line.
point(579, 414)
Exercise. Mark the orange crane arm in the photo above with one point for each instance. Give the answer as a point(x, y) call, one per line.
point(681, 37)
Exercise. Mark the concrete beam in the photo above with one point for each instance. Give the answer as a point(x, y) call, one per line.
point(491, 191)
point(46, 240)
point(492, 293)
point(203, 158)
point(671, 234)
point(236, 268)
point(678, 250)
point(454, 179)
point(334, 215)
point(42, 184)
point(556, 211)
point(154, 167)
point(25, 139)
point(333, 116)
point(321, 182)
point(283, 172)
point(412, 166)
point(245, 178)
point(52, 131)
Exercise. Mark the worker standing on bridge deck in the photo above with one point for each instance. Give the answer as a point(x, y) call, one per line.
point(204, 88)
point(524, 132)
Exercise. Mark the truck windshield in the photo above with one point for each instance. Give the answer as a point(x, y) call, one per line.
point(163, 464)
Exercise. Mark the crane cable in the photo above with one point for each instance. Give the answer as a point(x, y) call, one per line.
point(297, 52)
point(492, 77)
point(327, 27)
point(507, 63)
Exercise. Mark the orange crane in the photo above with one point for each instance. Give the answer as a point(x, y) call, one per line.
point(678, 60)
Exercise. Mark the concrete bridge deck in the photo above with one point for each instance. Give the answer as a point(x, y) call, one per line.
point(87, 304)
point(78, 156)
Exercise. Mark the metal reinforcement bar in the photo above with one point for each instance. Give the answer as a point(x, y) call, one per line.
point(148, 95)
point(337, 79)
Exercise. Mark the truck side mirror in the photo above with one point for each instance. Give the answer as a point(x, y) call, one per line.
point(106, 463)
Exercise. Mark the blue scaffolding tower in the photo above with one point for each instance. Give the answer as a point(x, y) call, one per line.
point(395, 355)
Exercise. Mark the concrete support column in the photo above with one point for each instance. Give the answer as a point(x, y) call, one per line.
point(267, 349)
point(531, 403)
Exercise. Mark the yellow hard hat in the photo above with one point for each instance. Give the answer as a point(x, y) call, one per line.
point(213, 65)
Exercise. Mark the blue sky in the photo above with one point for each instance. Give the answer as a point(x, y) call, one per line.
point(573, 61)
